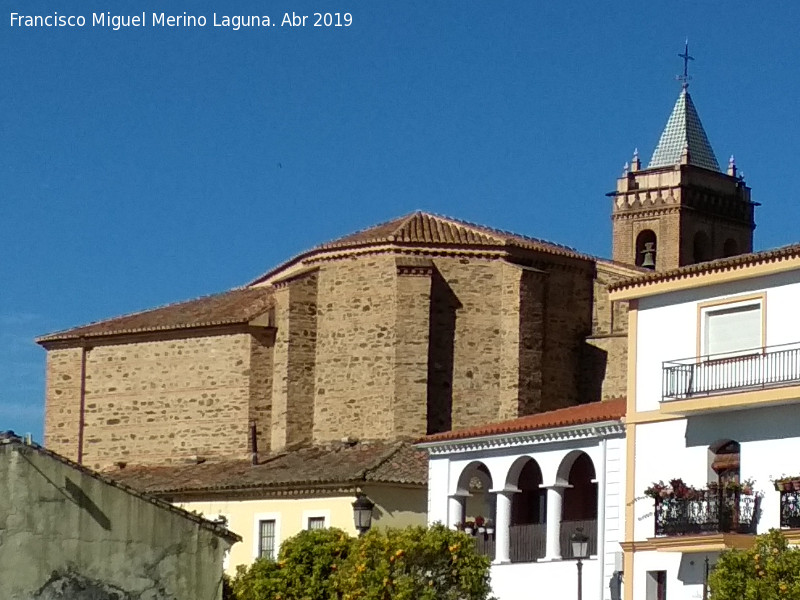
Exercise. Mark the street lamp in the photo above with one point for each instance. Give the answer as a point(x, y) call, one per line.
point(580, 550)
point(362, 513)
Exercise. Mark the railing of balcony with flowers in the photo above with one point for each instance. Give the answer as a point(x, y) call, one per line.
point(685, 510)
point(789, 487)
point(713, 374)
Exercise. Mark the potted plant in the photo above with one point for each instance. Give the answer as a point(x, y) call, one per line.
point(469, 527)
point(489, 527)
point(480, 524)
point(787, 483)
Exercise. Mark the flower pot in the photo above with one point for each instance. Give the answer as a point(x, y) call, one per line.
point(481, 529)
point(468, 530)
point(490, 530)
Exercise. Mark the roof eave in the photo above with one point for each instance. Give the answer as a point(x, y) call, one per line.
point(515, 438)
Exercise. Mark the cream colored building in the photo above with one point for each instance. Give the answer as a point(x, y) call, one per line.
point(309, 488)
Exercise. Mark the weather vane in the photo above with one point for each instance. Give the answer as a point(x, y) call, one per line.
point(684, 79)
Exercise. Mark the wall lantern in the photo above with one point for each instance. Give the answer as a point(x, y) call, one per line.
point(362, 513)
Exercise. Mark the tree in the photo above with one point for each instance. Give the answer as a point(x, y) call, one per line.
point(392, 564)
point(415, 563)
point(768, 571)
point(305, 570)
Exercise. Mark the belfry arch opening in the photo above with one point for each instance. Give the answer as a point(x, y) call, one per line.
point(731, 248)
point(701, 247)
point(646, 249)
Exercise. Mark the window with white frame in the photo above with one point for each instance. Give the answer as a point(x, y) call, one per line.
point(266, 538)
point(315, 523)
point(732, 328)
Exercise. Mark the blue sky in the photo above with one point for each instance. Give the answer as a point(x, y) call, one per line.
point(150, 165)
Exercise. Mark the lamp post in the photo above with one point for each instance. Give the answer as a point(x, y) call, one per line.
point(362, 513)
point(580, 550)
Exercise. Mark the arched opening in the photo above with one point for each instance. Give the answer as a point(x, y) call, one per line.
point(528, 512)
point(646, 249)
point(731, 248)
point(474, 484)
point(701, 247)
point(580, 502)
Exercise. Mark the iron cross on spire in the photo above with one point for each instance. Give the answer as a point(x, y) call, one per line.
point(684, 79)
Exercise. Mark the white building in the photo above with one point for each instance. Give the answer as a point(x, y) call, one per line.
point(713, 399)
point(537, 480)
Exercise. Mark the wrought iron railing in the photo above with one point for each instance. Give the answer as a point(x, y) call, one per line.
point(790, 508)
point(712, 512)
point(717, 373)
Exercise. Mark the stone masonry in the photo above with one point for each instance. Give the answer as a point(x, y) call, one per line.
point(391, 343)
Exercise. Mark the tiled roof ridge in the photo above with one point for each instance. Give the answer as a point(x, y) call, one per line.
point(610, 409)
point(61, 334)
point(719, 264)
point(10, 438)
point(501, 238)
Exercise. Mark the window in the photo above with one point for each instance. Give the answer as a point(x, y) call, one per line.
point(656, 585)
point(316, 523)
point(266, 539)
point(732, 329)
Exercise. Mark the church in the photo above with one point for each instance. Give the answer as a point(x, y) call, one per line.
point(312, 381)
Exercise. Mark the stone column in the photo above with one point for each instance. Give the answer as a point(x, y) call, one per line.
point(456, 505)
point(555, 499)
point(502, 526)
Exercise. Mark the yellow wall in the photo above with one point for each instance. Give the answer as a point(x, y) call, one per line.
point(394, 507)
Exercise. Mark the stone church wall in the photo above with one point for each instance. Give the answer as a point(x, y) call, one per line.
point(355, 357)
point(153, 401)
point(62, 401)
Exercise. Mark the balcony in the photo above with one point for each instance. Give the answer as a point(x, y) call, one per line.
point(711, 513)
point(790, 508)
point(688, 383)
point(528, 542)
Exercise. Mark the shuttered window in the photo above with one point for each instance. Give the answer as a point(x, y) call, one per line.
point(316, 523)
point(732, 330)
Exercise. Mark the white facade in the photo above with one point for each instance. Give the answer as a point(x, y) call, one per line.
point(732, 416)
point(467, 476)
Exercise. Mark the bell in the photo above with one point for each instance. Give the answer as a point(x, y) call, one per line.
point(649, 262)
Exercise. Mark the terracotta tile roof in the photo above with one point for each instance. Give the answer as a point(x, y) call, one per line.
point(422, 228)
point(594, 412)
point(722, 264)
point(228, 308)
point(9, 438)
point(380, 462)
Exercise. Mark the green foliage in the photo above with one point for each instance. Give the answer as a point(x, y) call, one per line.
point(415, 563)
point(768, 571)
point(309, 561)
point(261, 581)
point(393, 564)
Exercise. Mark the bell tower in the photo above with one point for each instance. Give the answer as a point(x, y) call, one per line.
point(681, 209)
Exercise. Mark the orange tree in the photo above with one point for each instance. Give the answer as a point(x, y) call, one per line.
point(388, 564)
point(768, 571)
